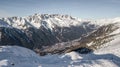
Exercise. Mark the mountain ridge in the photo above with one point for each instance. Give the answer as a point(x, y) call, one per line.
point(40, 31)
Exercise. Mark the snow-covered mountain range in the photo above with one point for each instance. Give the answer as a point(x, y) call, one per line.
point(42, 29)
point(59, 34)
point(55, 33)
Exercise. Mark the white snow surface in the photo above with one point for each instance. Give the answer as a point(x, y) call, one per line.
point(15, 56)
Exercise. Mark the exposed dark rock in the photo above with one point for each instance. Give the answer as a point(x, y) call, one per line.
point(13, 36)
point(83, 50)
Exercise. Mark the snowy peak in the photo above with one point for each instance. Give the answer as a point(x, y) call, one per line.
point(46, 16)
point(50, 21)
point(38, 20)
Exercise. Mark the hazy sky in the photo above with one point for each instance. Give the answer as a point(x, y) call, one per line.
point(77, 8)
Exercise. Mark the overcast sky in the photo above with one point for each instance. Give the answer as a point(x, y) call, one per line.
point(78, 8)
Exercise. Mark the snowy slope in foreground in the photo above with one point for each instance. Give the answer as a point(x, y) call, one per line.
point(14, 56)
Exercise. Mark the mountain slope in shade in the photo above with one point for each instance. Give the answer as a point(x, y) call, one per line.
point(92, 41)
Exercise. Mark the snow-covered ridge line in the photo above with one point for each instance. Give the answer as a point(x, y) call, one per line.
point(50, 21)
point(38, 20)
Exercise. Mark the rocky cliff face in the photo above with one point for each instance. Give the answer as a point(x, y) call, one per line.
point(42, 31)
